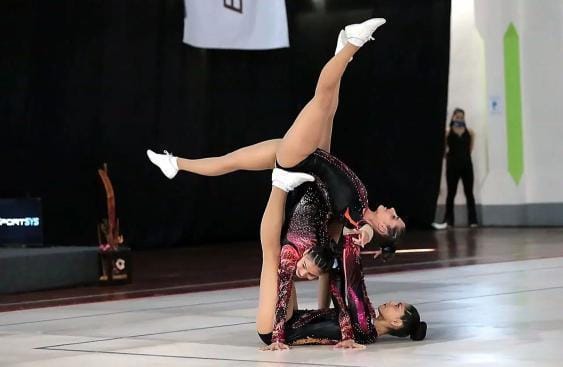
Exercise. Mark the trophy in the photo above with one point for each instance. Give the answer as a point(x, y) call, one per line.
point(114, 256)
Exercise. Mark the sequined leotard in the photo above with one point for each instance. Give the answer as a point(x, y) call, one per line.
point(351, 320)
point(348, 195)
point(307, 213)
point(307, 223)
point(347, 283)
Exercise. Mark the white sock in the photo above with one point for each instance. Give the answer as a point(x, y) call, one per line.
point(280, 185)
point(174, 161)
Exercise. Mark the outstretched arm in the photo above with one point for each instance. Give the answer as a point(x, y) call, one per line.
point(288, 261)
point(357, 309)
point(338, 291)
point(359, 305)
point(270, 240)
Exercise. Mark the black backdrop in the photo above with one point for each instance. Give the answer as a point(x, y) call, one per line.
point(92, 81)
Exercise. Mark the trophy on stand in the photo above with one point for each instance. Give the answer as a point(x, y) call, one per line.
point(114, 256)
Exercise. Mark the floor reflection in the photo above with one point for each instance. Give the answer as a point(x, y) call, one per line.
point(182, 270)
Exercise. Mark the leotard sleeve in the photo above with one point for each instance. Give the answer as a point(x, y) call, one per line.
point(288, 262)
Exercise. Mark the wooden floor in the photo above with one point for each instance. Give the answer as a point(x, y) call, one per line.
point(502, 315)
point(232, 265)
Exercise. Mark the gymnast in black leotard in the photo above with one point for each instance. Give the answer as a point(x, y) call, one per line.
point(306, 147)
point(349, 200)
point(307, 225)
point(348, 195)
point(354, 318)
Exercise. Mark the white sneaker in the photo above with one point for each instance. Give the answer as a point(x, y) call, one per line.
point(287, 181)
point(440, 226)
point(358, 34)
point(166, 162)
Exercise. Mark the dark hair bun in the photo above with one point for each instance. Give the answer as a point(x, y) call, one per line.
point(322, 257)
point(419, 332)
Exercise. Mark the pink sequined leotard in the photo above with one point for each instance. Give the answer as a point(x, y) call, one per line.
point(307, 213)
point(354, 315)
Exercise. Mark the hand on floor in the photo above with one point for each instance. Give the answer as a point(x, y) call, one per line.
point(275, 346)
point(349, 344)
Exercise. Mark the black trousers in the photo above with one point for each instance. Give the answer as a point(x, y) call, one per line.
point(456, 170)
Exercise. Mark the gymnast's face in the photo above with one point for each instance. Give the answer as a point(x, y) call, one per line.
point(306, 268)
point(384, 219)
point(392, 312)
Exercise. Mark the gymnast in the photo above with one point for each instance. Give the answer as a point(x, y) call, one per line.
point(305, 233)
point(324, 326)
point(305, 148)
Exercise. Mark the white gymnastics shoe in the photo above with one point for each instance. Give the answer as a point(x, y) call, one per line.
point(358, 34)
point(287, 181)
point(166, 162)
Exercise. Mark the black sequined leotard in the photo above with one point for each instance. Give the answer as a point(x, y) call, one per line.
point(348, 195)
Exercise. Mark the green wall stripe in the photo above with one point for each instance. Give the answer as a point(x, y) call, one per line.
point(513, 93)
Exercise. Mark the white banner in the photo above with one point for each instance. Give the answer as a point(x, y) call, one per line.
point(236, 24)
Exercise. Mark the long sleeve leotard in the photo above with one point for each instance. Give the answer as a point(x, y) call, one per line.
point(348, 195)
point(353, 316)
point(307, 213)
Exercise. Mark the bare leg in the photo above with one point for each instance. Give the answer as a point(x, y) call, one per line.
point(261, 156)
point(315, 123)
point(323, 294)
point(292, 302)
point(326, 136)
point(306, 133)
point(255, 157)
point(270, 234)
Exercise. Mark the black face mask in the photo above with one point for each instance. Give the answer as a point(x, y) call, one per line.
point(458, 123)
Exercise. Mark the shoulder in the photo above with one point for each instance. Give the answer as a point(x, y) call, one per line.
point(288, 252)
point(288, 260)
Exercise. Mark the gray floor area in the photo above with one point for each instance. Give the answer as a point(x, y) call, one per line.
point(506, 314)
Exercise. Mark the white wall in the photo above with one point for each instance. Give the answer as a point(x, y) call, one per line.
point(477, 75)
point(467, 88)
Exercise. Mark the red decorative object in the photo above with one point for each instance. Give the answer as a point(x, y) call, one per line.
point(114, 256)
